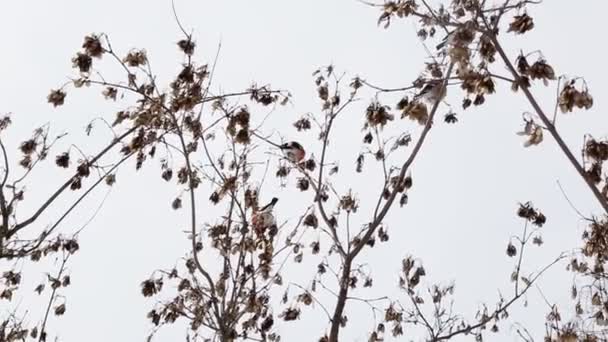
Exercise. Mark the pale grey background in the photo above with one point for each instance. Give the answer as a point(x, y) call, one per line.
point(468, 179)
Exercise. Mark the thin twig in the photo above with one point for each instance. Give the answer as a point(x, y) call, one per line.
point(339, 309)
point(42, 336)
point(570, 202)
point(502, 308)
point(65, 185)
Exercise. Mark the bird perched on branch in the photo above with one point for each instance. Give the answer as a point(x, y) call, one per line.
point(460, 37)
point(263, 218)
point(269, 206)
point(293, 151)
point(446, 41)
point(432, 92)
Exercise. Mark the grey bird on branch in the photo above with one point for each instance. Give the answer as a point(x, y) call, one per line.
point(293, 150)
point(432, 92)
point(460, 37)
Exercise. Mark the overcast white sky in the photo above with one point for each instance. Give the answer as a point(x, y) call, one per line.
point(468, 179)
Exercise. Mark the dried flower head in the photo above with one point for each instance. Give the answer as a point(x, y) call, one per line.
point(92, 46)
point(302, 124)
point(187, 46)
point(522, 65)
point(60, 309)
point(83, 62)
point(177, 203)
point(511, 250)
point(541, 70)
point(136, 58)
point(5, 121)
point(110, 93)
point(521, 24)
point(349, 203)
point(63, 160)
point(56, 97)
point(359, 162)
point(377, 114)
point(290, 314)
point(416, 111)
point(303, 184)
point(451, 118)
point(111, 179)
point(402, 8)
point(311, 220)
point(243, 137)
point(596, 150)
point(28, 147)
point(310, 164)
point(571, 97)
point(534, 133)
point(282, 172)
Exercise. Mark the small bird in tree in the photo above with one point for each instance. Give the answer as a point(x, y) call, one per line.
point(461, 37)
point(293, 151)
point(446, 41)
point(263, 218)
point(432, 92)
point(268, 207)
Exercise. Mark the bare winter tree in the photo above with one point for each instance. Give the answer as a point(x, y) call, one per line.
point(22, 235)
point(228, 285)
point(170, 122)
point(229, 302)
point(472, 43)
point(346, 272)
point(466, 57)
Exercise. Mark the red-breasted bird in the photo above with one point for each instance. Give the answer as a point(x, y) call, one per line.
point(293, 151)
